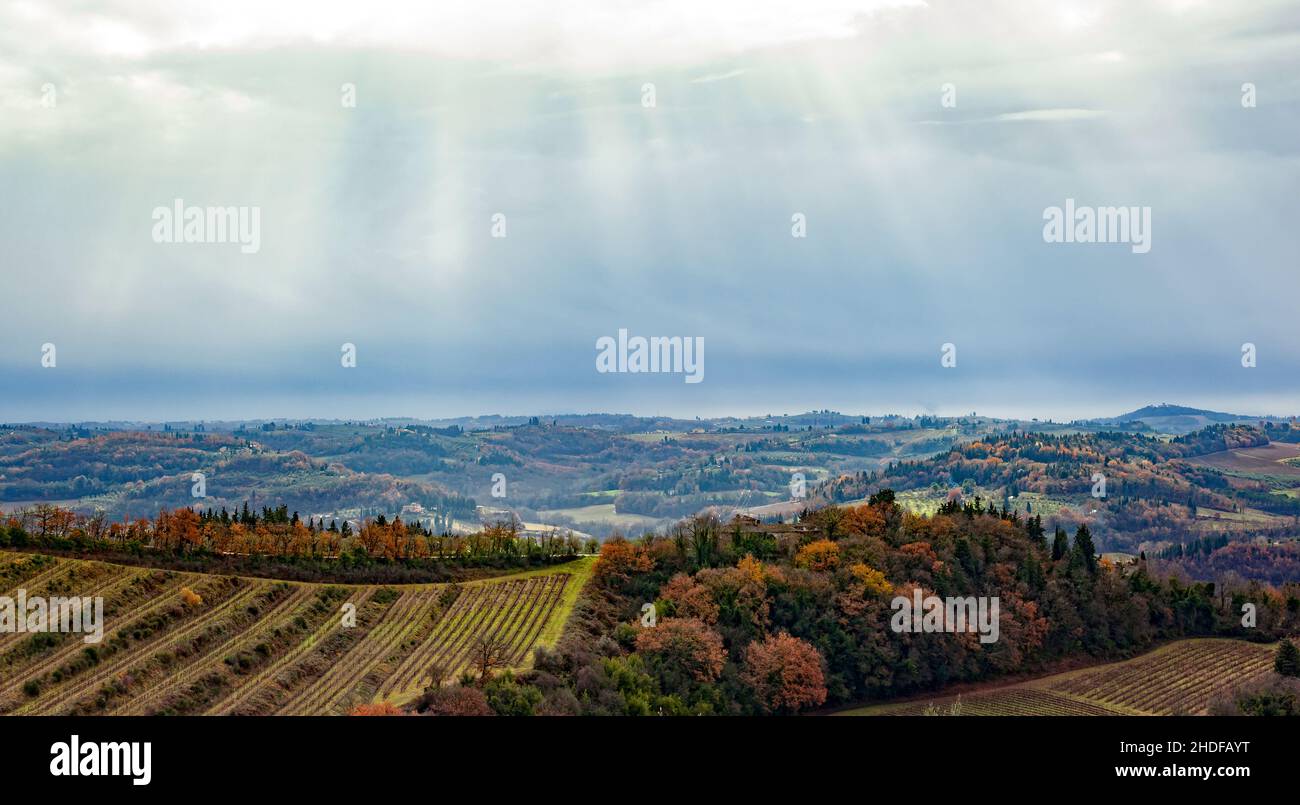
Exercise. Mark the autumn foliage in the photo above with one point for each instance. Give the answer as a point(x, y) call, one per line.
point(785, 674)
point(751, 623)
point(620, 559)
point(689, 599)
point(686, 644)
point(820, 555)
point(454, 701)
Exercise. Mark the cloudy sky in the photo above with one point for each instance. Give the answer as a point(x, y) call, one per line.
point(924, 220)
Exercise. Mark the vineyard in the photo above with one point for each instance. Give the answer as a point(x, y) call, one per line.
point(190, 643)
point(1180, 678)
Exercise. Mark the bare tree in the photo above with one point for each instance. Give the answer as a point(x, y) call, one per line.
point(489, 653)
point(438, 672)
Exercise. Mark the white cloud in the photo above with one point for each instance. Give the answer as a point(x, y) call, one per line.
point(375, 219)
point(1051, 115)
point(712, 77)
point(562, 33)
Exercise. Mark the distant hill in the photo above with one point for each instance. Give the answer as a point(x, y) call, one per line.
point(1179, 419)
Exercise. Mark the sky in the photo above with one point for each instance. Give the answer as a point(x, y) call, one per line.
point(648, 164)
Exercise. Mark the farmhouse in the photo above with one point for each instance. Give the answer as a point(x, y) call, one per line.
point(745, 524)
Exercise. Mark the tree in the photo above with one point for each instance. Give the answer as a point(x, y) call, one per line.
point(438, 671)
point(620, 559)
point(704, 530)
point(687, 598)
point(1287, 660)
point(820, 554)
point(868, 520)
point(490, 651)
point(1085, 552)
point(1060, 544)
point(683, 646)
point(1034, 527)
point(785, 674)
point(873, 581)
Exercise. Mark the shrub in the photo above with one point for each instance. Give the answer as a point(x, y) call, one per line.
point(1273, 696)
point(457, 700)
point(507, 697)
point(379, 709)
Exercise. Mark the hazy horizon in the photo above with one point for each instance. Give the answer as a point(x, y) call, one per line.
point(848, 412)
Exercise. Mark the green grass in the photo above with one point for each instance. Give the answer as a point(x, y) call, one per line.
point(601, 513)
point(1043, 504)
point(581, 571)
point(920, 501)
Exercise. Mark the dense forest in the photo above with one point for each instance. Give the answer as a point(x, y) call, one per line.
point(752, 623)
point(1152, 494)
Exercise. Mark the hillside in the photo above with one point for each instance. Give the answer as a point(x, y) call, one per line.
point(1181, 678)
point(191, 643)
point(755, 619)
point(1224, 483)
point(602, 475)
point(1179, 419)
point(589, 472)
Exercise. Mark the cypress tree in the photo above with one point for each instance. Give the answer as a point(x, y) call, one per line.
point(1084, 550)
point(1287, 660)
point(1060, 544)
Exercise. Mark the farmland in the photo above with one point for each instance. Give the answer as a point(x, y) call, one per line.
point(1176, 679)
point(190, 643)
point(1275, 459)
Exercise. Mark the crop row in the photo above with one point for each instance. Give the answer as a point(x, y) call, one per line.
point(1180, 678)
point(187, 643)
point(510, 615)
point(141, 635)
point(179, 664)
point(1019, 701)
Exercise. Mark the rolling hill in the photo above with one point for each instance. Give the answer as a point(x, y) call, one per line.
point(192, 643)
point(1181, 678)
point(1179, 419)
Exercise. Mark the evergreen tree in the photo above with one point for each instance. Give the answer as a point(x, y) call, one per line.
point(1031, 572)
point(1034, 526)
point(965, 558)
point(1287, 660)
point(1085, 552)
point(1060, 544)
